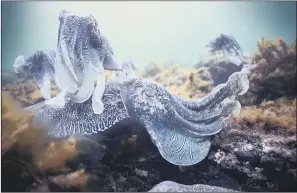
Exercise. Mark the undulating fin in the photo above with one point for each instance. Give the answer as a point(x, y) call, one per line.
point(177, 148)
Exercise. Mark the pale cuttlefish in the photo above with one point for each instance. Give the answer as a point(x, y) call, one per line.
point(41, 66)
point(82, 55)
point(179, 128)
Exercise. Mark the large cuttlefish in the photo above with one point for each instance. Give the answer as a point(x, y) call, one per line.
point(180, 129)
point(82, 55)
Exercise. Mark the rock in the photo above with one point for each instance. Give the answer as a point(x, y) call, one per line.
point(152, 70)
point(220, 68)
point(169, 186)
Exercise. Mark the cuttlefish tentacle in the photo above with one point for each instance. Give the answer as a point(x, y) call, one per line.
point(237, 84)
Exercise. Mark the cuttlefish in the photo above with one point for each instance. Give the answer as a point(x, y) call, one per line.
point(179, 128)
point(82, 55)
point(40, 65)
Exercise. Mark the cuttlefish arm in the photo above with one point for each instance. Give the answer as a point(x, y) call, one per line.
point(44, 83)
point(179, 130)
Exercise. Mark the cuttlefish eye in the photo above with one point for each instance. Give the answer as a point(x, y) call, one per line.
point(149, 93)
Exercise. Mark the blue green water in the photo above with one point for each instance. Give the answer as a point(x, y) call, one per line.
point(148, 31)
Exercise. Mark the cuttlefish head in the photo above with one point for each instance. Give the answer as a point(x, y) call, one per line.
point(181, 128)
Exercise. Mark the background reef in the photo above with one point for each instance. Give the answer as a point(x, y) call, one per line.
point(256, 152)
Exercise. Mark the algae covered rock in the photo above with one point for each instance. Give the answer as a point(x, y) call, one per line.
point(275, 74)
point(220, 67)
point(152, 70)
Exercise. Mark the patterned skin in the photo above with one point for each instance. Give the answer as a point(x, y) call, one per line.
point(82, 55)
point(79, 118)
point(179, 128)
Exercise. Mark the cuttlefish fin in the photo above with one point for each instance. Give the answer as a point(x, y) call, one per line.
point(56, 102)
point(97, 104)
point(177, 148)
point(87, 86)
point(44, 84)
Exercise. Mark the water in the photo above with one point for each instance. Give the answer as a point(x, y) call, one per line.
point(197, 117)
point(149, 31)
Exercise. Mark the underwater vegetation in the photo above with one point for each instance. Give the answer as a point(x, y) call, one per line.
point(27, 151)
point(275, 73)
